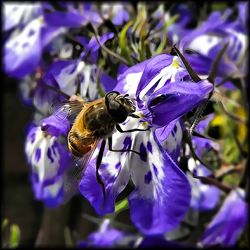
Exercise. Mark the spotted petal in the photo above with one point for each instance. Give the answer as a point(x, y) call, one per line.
point(162, 191)
point(22, 52)
point(114, 171)
point(16, 14)
point(48, 160)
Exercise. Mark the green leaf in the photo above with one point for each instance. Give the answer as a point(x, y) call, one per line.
point(219, 6)
point(170, 21)
point(162, 44)
point(68, 237)
point(123, 42)
point(164, 38)
point(15, 235)
point(121, 205)
point(231, 153)
point(5, 223)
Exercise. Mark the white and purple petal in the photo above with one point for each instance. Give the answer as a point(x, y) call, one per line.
point(170, 137)
point(48, 160)
point(159, 187)
point(22, 52)
point(114, 171)
point(18, 14)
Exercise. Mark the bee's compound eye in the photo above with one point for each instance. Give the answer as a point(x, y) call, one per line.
point(111, 102)
point(117, 111)
point(111, 95)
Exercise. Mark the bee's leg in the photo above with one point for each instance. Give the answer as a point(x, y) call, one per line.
point(121, 150)
point(78, 85)
point(98, 164)
point(118, 127)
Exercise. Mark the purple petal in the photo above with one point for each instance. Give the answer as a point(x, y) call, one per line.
point(170, 137)
point(49, 33)
point(106, 236)
point(129, 78)
point(19, 14)
point(115, 175)
point(93, 46)
point(66, 19)
point(49, 160)
point(121, 15)
point(22, 53)
point(56, 124)
point(151, 74)
point(159, 185)
point(107, 82)
point(204, 197)
point(114, 171)
point(227, 225)
point(177, 99)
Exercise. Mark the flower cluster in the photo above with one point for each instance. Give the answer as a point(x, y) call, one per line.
point(183, 73)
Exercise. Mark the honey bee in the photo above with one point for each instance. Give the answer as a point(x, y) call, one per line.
point(95, 121)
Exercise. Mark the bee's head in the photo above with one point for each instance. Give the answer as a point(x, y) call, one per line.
point(119, 106)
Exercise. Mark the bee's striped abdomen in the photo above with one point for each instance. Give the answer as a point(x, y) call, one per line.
point(78, 145)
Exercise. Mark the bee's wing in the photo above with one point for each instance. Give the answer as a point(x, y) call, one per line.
point(74, 175)
point(67, 110)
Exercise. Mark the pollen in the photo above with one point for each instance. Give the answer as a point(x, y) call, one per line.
point(40, 20)
point(139, 114)
point(175, 63)
point(145, 124)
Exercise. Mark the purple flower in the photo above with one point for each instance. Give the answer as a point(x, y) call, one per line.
point(49, 161)
point(117, 12)
point(204, 197)
point(23, 49)
point(208, 39)
point(74, 17)
point(93, 46)
point(19, 14)
point(159, 183)
point(106, 236)
point(162, 85)
point(229, 222)
point(64, 75)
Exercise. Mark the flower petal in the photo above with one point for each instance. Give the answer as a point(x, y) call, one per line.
point(22, 53)
point(49, 160)
point(176, 99)
point(227, 225)
point(159, 185)
point(114, 172)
